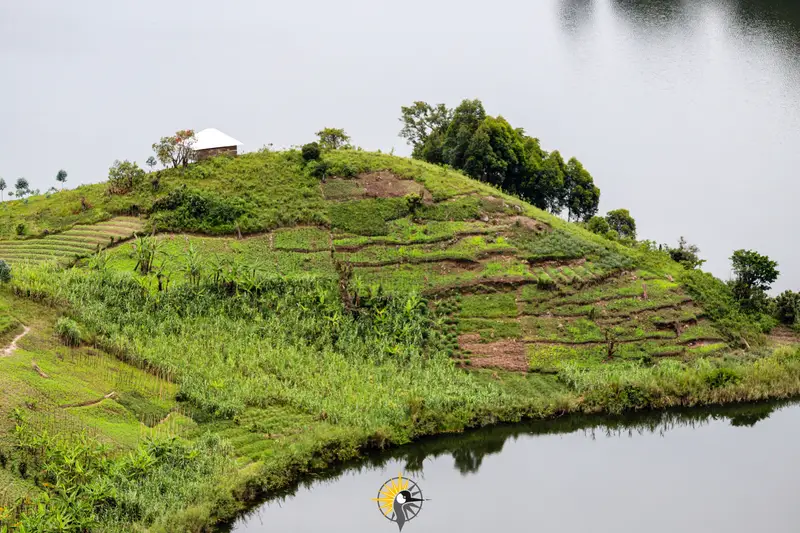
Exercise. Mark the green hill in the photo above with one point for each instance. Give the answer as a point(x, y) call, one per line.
point(272, 323)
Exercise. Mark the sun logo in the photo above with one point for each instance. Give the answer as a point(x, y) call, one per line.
point(399, 500)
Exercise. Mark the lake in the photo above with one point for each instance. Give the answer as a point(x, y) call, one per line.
point(730, 469)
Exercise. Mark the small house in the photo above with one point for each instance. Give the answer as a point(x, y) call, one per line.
point(211, 142)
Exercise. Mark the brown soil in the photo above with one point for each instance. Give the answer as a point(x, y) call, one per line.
point(387, 185)
point(13, 346)
point(506, 355)
point(784, 335)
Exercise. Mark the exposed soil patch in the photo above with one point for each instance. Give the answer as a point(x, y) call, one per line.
point(13, 346)
point(784, 335)
point(506, 355)
point(381, 184)
point(526, 222)
point(387, 185)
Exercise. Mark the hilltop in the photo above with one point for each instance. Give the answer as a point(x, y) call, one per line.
point(274, 322)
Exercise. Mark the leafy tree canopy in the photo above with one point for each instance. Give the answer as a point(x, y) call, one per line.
point(754, 274)
point(123, 176)
point(333, 138)
point(787, 307)
point(621, 221)
point(176, 150)
point(686, 254)
point(490, 149)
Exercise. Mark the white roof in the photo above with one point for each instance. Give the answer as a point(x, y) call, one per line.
point(213, 138)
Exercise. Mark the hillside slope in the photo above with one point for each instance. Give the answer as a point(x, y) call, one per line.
point(300, 321)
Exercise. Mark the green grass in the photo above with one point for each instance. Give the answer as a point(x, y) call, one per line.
point(465, 249)
point(493, 305)
point(303, 238)
point(404, 231)
point(490, 330)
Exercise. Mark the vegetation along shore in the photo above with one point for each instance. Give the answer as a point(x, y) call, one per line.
point(177, 343)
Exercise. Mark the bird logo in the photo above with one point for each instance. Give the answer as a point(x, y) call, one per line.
point(400, 500)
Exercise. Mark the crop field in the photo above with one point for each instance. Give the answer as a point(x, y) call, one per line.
point(77, 242)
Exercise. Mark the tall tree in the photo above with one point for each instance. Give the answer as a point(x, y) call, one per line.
point(467, 118)
point(754, 274)
point(686, 254)
point(151, 163)
point(22, 188)
point(333, 138)
point(621, 221)
point(2, 188)
point(579, 196)
point(61, 177)
point(424, 128)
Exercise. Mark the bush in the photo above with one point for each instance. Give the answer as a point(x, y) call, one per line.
point(787, 307)
point(5, 272)
point(722, 377)
point(319, 169)
point(184, 209)
point(68, 331)
point(20, 229)
point(311, 151)
point(598, 225)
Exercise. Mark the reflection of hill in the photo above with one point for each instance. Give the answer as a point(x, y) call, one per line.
point(575, 14)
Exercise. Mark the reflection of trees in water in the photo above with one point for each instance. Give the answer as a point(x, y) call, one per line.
point(469, 449)
point(784, 14)
point(575, 15)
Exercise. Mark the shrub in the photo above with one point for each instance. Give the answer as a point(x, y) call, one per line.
point(20, 229)
point(319, 169)
point(68, 331)
point(787, 307)
point(598, 225)
point(311, 151)
point(5, 272)
point(184, 209)
point(722, 377)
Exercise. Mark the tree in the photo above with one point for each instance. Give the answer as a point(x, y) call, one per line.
point(787, 307)
point(621, 221)
point(686, 254)
point(123, 176)
point(581, 196)
point(754, 274)
point(311, 151)
point(467, 118)
point(2, 188)
point(598, 225)
point(424, 128)
point(176, 150)
point(22, 187)
point(333, 138)
point(151, 162)
point(61, 177)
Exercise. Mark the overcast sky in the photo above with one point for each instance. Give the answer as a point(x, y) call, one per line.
point(687, 113)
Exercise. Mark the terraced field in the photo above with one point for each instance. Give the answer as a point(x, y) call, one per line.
point(66, 247)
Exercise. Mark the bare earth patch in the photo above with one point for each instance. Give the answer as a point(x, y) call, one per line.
point(387, 185)
point(506, 355)
point(13, 346)
point(784, 335)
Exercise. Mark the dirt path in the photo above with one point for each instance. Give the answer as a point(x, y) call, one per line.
point(13, 346)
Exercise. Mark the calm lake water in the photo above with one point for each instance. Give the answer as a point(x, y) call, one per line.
point(723, 470)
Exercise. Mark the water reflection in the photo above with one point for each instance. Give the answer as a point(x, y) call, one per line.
point(471, 450)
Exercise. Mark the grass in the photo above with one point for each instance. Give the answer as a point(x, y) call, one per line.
point(464, 249)
point(488, 305)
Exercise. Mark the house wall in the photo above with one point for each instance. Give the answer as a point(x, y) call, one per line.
point(211, 152)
